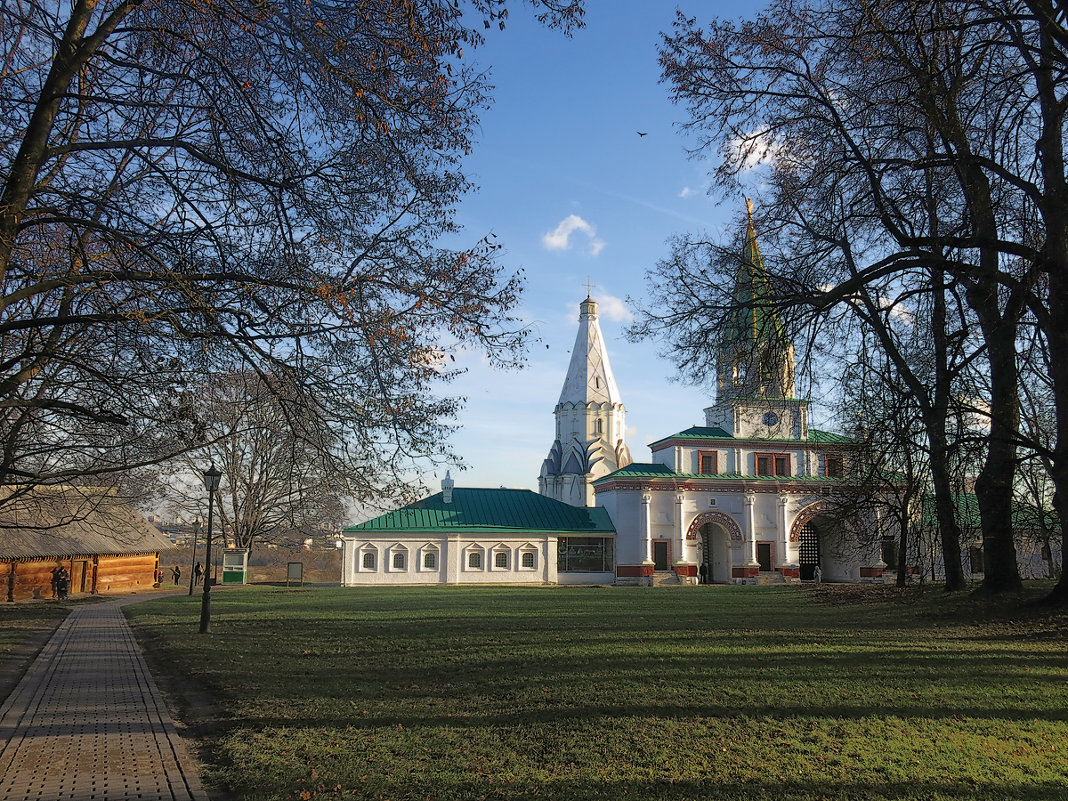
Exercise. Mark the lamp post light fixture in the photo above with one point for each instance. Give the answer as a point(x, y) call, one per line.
point(211, 484)
point(193, 563)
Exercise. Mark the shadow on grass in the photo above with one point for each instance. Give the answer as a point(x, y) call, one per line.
point(673, 790)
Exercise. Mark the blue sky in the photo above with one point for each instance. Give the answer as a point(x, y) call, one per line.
point(572, 191)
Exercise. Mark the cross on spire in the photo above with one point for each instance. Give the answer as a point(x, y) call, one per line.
point(589, 287)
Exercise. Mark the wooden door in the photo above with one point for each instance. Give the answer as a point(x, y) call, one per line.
point(660, 554)
point(764, 556)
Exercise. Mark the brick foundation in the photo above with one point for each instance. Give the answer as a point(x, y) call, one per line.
point(634, 571)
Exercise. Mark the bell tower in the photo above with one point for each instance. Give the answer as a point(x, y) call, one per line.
point(755, 385)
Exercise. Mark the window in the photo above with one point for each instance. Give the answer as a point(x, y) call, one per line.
point(586, 555)
point(474, 560)
point(773, 464)
point(430, 560)
point(527, 560)
point(707, 463)
point(833, 466)
point(398, 560)
point(368, 560)
point(500, 560)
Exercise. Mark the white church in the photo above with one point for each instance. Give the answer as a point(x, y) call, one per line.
point(743, 498)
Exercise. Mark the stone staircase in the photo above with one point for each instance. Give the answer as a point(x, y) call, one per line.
point(774, 577)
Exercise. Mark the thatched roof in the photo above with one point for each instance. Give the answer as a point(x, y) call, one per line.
point(51, 522)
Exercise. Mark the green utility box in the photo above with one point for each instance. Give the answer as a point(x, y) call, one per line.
point(235, 566)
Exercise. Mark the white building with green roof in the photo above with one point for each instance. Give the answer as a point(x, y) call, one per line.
point(482, 536)
point(741, 497)
point(745, 494)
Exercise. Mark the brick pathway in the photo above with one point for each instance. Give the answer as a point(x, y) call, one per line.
point(87, 722)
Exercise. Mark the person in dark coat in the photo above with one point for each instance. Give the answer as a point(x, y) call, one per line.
point(176, 573)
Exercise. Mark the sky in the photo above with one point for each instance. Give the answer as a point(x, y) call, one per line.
point(575, 195)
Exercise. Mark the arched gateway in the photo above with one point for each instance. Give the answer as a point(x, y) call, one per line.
point(714, 532)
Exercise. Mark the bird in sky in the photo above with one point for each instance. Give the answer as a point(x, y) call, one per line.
point(642, 133)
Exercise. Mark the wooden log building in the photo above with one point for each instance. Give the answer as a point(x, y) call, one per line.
point(107, 547)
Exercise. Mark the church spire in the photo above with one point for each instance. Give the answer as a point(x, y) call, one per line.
point(589, 375)
point(756, 358)
point(590, 419)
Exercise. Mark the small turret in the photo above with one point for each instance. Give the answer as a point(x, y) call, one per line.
point(446, 488)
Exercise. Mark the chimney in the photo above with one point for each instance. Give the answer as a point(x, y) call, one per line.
point(446, 488)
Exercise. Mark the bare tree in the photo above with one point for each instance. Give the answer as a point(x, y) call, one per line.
point(897, 137)
point(278, 475)
point(188, 188)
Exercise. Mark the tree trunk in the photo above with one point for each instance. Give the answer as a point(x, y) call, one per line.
point(1057, 337)
point(994, 484)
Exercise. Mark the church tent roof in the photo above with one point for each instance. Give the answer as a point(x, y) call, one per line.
point(490, 510)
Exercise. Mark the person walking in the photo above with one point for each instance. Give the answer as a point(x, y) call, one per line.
point(176, 573)
point(198, 572)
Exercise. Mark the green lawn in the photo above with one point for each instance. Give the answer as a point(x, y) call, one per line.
point(606, 693)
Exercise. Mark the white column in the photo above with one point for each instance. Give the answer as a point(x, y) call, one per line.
point(784, 535)
point(750, 528)
point(680, 530)
point(646, 528)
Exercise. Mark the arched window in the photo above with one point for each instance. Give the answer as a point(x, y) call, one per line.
point(474, 560)
point(430, 560)
point(527, 560)
point(500, 560)
point(369, 560)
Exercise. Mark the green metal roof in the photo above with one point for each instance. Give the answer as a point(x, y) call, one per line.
point(1025, 516)
point(639, 470)
point(490, 510)
point(712, 433)
point(826, 437)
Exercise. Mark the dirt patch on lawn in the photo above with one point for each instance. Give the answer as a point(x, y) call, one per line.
point(853, 594)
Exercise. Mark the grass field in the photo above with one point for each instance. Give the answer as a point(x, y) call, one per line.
point(610, 693)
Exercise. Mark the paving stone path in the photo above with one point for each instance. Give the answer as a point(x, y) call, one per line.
point(87, 722)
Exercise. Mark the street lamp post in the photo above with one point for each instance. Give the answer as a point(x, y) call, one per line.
point(211, 484)
point(193, 563)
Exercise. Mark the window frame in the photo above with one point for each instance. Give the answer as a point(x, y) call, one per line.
point(473, 555)
point(773, 457)
point(710, 454)
point(835, 459)
point(371, 552)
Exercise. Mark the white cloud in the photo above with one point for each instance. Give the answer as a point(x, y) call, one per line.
point(560, 238)
point(614, 309)
point(752, 150)
point(686, 192)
